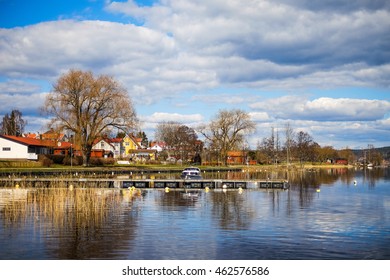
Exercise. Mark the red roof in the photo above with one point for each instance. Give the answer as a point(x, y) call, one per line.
point(31, 135)
point(236, 153)
point(116, 140)
point(30, 141)
point(64, 145)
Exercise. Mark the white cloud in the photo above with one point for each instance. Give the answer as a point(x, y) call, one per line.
point(188, 48)
point(259, 116)
point(273, 45)
point(341, 5)
point(27, 104)
point(36, 123)
point(18, 86)
point(339, 134)
point(159, 117)
point(325, 109)
point(54, 46)
point(269, 31)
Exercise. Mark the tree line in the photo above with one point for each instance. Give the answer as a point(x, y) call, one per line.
point(88, 106)
point(297, 147)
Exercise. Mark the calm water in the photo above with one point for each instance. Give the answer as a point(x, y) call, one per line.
point(324, 215)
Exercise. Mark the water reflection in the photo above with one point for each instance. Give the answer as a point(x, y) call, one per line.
point(232, 210)
point(75, 223)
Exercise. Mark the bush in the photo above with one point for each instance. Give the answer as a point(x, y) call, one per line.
point(101, 161)
point(57, 159)
point(77, 160)
point(45, 160)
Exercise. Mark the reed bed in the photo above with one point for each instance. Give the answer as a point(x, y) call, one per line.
point(64, 209)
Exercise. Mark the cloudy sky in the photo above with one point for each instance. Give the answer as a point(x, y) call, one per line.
point(321, 65)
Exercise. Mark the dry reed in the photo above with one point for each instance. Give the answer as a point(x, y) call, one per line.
point(63, 209)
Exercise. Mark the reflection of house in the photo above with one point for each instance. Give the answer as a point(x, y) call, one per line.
point(14, 147)
point(340, 161)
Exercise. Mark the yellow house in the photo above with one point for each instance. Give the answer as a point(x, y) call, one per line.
point(130, 144)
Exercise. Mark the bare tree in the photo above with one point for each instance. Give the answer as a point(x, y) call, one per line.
point(180, 139)
point(89, 106)
point(13, 124)
point(166, 131)
point(227, 131)
point(289, 142)
point(305, 147)
point(270, 147)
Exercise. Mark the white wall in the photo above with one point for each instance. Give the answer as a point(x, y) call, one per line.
point(18, 151)
point(106, 147)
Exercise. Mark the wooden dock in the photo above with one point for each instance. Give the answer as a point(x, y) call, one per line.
point(145, 183)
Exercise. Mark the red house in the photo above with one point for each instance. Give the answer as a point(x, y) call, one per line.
point(341, 161)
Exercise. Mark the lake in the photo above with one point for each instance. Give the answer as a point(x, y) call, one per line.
point(326, 214)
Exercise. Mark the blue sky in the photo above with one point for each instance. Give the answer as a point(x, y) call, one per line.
point(321, 66)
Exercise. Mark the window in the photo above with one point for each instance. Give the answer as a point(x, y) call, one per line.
point(6, 149)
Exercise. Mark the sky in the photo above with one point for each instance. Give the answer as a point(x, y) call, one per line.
point(321, 66)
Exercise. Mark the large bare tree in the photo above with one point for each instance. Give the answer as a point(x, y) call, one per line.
point(89, 106)
point(227, 131)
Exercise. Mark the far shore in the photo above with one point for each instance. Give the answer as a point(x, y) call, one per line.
point(167, 168)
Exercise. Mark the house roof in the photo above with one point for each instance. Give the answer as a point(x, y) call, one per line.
point(30, 141)
point(236, 153)
point(65, 145)
point(107, 140)
point(158, 143)
point(116, 140)
point(31, 135)
point(52, 135)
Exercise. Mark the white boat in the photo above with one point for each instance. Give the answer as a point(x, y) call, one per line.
point(191, 173)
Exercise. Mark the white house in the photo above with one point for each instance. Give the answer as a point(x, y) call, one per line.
point(14, 147)
point(118, 147)
point(111, 147)
point(158, 146)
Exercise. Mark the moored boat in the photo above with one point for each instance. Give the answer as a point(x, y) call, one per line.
point(191, 173)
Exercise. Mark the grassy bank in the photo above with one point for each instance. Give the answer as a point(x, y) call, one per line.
point(35, 167)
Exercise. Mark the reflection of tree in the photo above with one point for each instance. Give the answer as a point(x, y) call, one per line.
point(232, 210)
point(372, 175)
point(305, 183)
point(74, 222)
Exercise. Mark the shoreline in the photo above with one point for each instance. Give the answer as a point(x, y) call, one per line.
point(165, 169)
